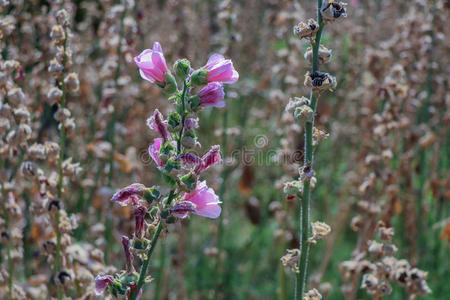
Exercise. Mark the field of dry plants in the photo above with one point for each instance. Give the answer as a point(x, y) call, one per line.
point(224, 149)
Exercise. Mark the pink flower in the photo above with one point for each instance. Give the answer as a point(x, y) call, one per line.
point(152, 64)
point(157, 123)
point(212, 157)
point(202, 201)
point(212, 95)
point(221, 69)
point(129, 194)
point(101, 283)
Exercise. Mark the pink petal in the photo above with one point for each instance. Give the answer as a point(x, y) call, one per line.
point(146, 76)
point(214, 59)
point(211, 211)
point(153, 151)
point(160, 62)
point(157, 47)
point(101, 283)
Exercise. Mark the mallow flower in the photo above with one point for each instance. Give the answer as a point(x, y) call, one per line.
point(152, 64)
point(202, 201)
point(217, 69)
point(210, 95)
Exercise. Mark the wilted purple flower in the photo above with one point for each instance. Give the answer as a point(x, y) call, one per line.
point(101, 283)
point(157, 123)
point(212, 157)
point(139, 227)
point(152, 64)
point(202, 201)
point(191, 160)
point(129, 194)
point(212, 95)
point(128, 255)
point(183, 208)
point(221, 69)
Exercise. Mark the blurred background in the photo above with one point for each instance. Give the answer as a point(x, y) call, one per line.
point(386, 157)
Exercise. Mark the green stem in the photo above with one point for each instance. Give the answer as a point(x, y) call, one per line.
point(62, 145)
point(305, 211)
point(183, 115)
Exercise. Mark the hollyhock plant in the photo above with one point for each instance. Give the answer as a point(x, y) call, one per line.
point(152, 64)
point(172, 153)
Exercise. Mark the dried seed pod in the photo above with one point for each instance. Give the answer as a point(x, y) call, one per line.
point(16, 96)
point(320, 81)
point(306, 30)
point(312, 295)
point(57, 34)
point(54, 95)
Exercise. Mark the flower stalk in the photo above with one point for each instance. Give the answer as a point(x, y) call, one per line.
point(305, 210)
point(304, 110)
point(62, 145)
point(180, 167)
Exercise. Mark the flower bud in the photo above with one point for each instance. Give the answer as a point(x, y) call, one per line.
point(194, 102)
point(182, 68)
point(174, 121)
point(190, 181)
point(151, 194)
point(164, 213)
point(153, 212)
point(171, 84)
point(72, 83)
point(199, 77)
point(188, 142)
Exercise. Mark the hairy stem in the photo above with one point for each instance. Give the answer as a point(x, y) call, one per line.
point(305, 209)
